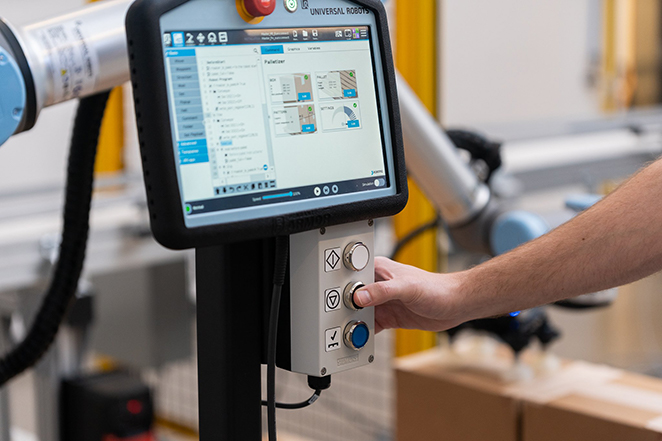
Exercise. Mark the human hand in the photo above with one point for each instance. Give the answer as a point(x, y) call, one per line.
point(410, 298)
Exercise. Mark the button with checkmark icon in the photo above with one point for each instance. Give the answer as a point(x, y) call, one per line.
point(333, 337)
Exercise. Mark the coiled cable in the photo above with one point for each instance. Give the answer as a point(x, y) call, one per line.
point(64, 283)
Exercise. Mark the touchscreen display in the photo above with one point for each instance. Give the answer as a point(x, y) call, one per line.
point(273, 116)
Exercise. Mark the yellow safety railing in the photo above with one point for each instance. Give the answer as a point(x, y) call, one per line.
point(630, 54)
point(416, 59)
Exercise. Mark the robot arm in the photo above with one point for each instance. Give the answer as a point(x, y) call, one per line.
point(72, 56)
point(433, 161)
point(474, 219)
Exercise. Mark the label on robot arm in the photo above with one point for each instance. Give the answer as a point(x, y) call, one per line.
point(72, 63)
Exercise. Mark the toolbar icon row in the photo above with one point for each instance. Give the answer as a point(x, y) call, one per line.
point(181, 39)
point(305, 34)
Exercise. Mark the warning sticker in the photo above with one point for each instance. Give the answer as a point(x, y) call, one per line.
point(72, 61)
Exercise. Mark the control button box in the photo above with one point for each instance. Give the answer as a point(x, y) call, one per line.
point(328, 332)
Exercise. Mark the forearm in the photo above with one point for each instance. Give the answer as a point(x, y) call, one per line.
point(614, 243)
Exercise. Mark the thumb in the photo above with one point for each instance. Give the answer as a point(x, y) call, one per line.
point(382, 292)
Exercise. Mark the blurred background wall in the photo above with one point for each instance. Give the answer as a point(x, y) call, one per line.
point(507, 60)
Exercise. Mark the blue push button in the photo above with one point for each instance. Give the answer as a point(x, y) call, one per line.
point(357, 335)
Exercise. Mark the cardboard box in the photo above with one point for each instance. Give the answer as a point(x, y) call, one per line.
point(626, 408)
point(441, 400)
point(443, 396)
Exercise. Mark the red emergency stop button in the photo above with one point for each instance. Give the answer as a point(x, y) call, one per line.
point(260, 8)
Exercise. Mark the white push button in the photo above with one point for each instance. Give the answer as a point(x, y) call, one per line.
point(357, 256)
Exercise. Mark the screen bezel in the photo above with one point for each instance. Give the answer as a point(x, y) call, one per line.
point(160, 170)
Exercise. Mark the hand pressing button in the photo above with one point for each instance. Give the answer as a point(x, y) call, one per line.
point(348, 295)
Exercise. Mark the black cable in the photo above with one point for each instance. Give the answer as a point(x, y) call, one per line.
point(280, 273)
point(318, 384)
point(78, 199)
point(413, 235)
point(297, 406)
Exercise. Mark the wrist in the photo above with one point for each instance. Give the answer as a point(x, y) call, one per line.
point(457, 306)
point(479, 294)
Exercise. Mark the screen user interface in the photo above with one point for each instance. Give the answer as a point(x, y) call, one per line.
point(273, 115)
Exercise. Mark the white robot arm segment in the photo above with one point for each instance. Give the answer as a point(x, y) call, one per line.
point(433, 161)
point(72, 56)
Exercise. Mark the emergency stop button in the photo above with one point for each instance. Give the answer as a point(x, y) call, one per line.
point(259, 8)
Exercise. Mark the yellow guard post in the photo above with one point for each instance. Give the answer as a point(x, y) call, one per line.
point(416, 59)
